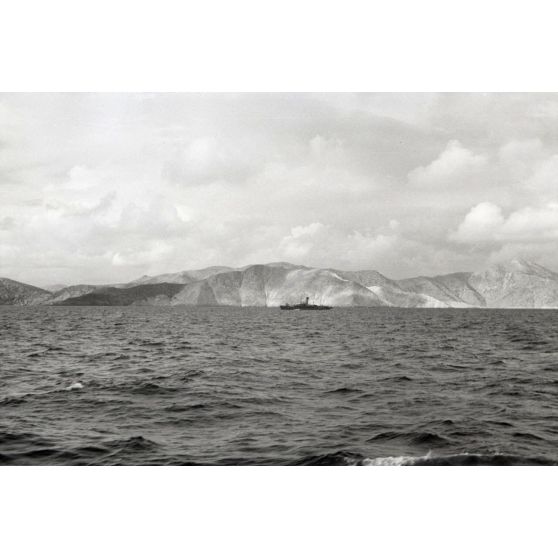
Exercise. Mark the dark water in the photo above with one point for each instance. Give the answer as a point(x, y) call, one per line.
point(261, 386)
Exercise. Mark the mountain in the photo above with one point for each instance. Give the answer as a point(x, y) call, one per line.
point(389, 292)
point(453, 289)
point(367, 278)
point(262, 285)
point(517, 284)
point(513, 284)
point(54, 288)
point(72, 292)
point(13, 292)
point(140, 295)
point(182, 277)
point(392, 296)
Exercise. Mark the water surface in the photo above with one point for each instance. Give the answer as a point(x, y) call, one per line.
point(136, 385)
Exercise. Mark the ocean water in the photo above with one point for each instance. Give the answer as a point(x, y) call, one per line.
point(255, 386)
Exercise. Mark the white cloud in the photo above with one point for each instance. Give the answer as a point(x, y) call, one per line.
point(521, 151)
point(302, 240)
point(486, 223)
point(307, 231)
point(324, 246)
point(544, 180)
point(481, 224)
point(326, 148)
point(156, 252)
point(531, 225)
point(454, 163)
point(92, 187)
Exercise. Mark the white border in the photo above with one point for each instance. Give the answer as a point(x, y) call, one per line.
point(292, 45)
point(281, 46)
point(277, 512)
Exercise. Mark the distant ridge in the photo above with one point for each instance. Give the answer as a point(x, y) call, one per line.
point(182, 277)
point(517, 283)
point(16, 293)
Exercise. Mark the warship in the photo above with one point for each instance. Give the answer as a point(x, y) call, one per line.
point(304, 306)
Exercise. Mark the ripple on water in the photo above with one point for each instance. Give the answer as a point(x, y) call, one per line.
point(353, 386)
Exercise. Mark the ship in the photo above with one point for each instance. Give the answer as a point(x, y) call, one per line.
point(305, 306)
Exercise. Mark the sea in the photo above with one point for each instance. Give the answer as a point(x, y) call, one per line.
point(261, 386)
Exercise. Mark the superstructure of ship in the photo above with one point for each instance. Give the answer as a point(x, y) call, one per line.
point(305, 306)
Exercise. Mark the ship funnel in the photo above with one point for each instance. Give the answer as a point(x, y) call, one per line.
point(307, 298)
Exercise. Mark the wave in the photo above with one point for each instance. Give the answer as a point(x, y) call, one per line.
point(133, 443)
point(402, 378)
point(75, 385)
point(529, 436)
point(19, 437)
point(150, 388)
point(344, 390)
point(28, 449)
point(418, 438)
point(459, 459)
point(331, 459)
point(45, 351)
point(463, 459)
point(13, 400)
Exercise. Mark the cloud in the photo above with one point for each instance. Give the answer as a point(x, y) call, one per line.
point(486, 223)
point(304, 239)
point(156, 252)
point(544, 180)
point(523, 151)
point(7, 223)
point(324, 246)
point(208, 159)
point(481, 224)
point(104, 187)
point(454, 163)
point(531, 225)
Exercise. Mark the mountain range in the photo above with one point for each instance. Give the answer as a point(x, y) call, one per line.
point(515, 284)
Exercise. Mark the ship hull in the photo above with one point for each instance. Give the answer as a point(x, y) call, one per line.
point(304, 307)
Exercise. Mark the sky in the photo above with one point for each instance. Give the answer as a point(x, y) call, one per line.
point(103, 188)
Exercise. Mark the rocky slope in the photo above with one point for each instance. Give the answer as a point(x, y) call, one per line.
point(262, 285)
point(15, 293)
point(515, 284)
point(390, 292)
point(141, 295)
point(72, 292)
point(182, 277)
point(454, 289)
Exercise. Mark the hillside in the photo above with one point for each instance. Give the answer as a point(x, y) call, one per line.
point(513, 284)
point(262, 285)
point(182, 277)
point(517, 284)
point(453, 289)
point(147, 295)
point(16, 293)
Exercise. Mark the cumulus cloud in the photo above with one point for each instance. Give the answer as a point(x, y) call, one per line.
point(207, 159)
point(524, 151)
point(103, 188)
point(453, 164)
point(532, 224)
point(326, 246)
point(481, 224)
point(486, 223)
point(156, 251)
point(544, 180)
